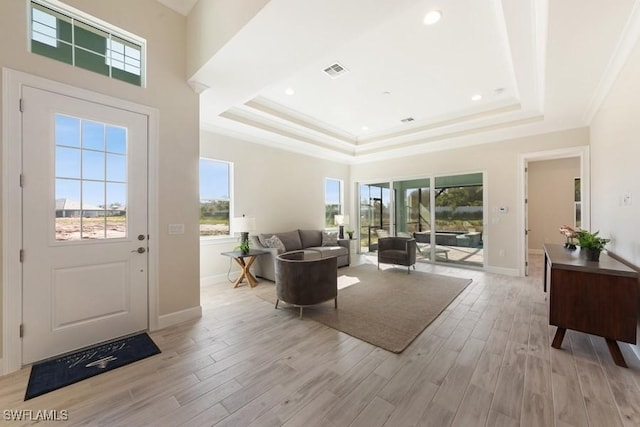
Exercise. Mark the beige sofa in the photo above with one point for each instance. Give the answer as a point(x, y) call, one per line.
point(309, 241)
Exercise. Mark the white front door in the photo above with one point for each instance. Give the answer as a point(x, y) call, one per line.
point(84, 197)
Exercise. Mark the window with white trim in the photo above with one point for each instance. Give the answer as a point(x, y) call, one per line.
point(215, 197)
point(60, 33)
point(332, 200)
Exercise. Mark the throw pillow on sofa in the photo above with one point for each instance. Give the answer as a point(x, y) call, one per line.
point(329, 238)
point(274, 242)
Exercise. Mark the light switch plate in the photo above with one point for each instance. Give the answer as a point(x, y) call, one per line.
point(176, 228)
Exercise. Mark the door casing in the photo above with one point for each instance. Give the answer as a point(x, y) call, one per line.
point(12, 83)
point(582, 152)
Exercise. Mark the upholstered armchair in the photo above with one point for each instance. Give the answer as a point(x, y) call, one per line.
point(302, 282)
point(397, 250)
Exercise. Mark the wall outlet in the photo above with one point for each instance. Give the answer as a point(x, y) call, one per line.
point(626, 199)
point(501, 253)
point(176, 228)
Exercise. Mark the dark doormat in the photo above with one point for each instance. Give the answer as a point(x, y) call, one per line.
point(89, 362)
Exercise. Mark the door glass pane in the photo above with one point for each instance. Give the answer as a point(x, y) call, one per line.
point(68, 212)
point(116, 140)
point(93, 165)
point(374, 214)
point(91, 184)
point(67, 162)
point(92, 135)
point(116, 168)
point(459, 219)
point(116, 210)
point(457, 232)
point(67, 131)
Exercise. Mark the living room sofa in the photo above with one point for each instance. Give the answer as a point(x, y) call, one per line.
point(309, 241)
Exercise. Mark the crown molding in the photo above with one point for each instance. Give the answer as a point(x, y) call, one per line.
point(626, 44)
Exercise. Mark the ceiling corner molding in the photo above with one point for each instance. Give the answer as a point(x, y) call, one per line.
point(418, 131)
point(283, 113)
point(197, 86)
point(261, 123)
point(626, 44)
point(281, 143)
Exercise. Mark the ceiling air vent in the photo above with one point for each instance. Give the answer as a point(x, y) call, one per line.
point(407, 120)
point(335, 70)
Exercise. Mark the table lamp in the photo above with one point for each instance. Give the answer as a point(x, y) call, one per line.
point(341, 221)
point(244, 225)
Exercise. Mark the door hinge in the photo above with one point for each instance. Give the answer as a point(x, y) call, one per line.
point(21, 330)
point(526, 232)
point(21, 105)
point(526, 201)
point(21, 180)
point(21, 255)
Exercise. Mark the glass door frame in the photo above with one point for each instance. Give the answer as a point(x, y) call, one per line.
point(393, 226)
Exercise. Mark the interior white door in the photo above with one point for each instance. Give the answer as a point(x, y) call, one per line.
point(85, 235)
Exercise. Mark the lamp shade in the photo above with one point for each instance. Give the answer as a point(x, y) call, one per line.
point(244, 224)
point(341, 219)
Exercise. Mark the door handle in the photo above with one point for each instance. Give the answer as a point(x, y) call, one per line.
point(140, 250)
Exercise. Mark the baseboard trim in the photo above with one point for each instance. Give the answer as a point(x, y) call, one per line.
point(502, 270)
point(176, 317)
point(536, 251)
point(212, 280)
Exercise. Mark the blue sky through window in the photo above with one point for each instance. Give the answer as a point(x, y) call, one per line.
point(214, 179)
point(90, 162)
point(332, 191)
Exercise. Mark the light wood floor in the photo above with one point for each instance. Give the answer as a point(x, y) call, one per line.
point(486, 361)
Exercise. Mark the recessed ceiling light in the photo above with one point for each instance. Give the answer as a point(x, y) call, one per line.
point(386, 92)
point(432, 17)
point(476, 97)
point(365, 128)
point(289, 91)
point(498, 91)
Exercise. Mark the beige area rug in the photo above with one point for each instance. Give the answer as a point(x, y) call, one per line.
point(387, 308)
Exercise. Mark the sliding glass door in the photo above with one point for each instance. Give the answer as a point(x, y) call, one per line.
point(458, 219)
point(445, 214)
point(374, 214)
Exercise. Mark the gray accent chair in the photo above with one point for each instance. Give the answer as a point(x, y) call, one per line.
point(302, 282)
point(398, 251)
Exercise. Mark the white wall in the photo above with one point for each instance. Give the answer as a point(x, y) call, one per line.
point(615, 158)
point(551, 199)
point(212, 23)
point(167, 90)
point(500, 163)
point(615, 161)
point(282, 190)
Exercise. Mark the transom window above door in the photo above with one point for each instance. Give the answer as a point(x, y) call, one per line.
point(71, 36)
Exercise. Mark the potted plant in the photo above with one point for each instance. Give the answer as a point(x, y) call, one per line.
point(350, 234)
point(244, 247)
point(591, 243)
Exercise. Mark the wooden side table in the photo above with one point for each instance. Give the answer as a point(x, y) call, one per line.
point(239, 257)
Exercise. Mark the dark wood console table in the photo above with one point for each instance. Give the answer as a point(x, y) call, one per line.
point(599, 298)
